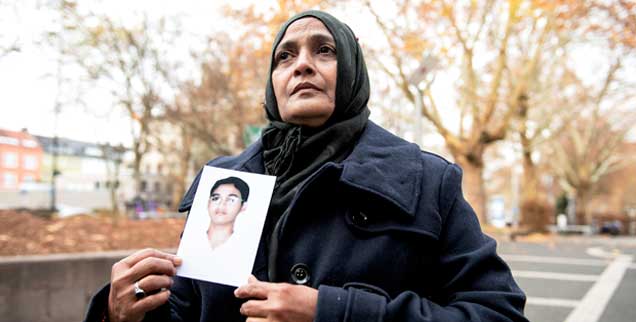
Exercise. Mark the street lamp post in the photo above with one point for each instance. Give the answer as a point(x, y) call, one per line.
point(422, 74)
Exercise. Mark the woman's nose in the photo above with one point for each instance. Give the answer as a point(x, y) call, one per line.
point(304, 63)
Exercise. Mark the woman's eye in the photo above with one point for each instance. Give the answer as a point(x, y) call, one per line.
point(283, 56)
point(326, 50)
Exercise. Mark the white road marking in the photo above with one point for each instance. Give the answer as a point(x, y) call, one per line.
point(600, 252)
point(554, 260)
point(556, 276)
point(549, 301)
point(595, 300)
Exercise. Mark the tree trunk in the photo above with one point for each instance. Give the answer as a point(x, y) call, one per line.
point(535, 212)
point(583, 217)
point(114, 185)
point(137, 172)
point(473, 186)
point(184, 166)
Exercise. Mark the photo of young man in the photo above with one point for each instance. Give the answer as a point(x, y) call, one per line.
point(228, 199)
point(223, 229)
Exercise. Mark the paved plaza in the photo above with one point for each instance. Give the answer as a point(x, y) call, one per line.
point(575, 279)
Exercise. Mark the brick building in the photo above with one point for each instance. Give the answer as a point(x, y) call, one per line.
point(20, 159)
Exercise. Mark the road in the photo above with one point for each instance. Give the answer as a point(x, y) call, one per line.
point(575, 279)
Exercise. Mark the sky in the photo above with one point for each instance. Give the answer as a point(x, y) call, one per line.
point(27, 79)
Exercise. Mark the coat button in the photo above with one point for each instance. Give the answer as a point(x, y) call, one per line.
point(300, 274)
point(360, 219)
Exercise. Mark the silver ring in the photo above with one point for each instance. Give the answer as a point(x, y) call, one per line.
point(139, 292)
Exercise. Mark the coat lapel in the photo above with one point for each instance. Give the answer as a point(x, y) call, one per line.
point(383, 164)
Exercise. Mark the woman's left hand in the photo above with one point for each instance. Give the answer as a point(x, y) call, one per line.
point(277, 302)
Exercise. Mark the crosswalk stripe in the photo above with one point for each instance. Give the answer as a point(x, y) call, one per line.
point(547, 301)
point(595, 300)
point(555, 276)
point(554, 260)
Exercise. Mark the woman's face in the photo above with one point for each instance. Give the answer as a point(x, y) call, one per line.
point(305, 72)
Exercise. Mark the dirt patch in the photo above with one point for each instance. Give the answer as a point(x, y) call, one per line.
point(22, 233)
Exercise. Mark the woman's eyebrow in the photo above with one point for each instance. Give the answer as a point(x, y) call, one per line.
point(313, 38)
point(321, 38)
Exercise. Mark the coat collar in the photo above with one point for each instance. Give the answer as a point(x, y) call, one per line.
point(386, 166)
point(249, 160)
point(380, 163)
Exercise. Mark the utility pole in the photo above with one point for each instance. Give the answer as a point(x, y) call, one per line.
point(56, 113)
point(55, 152)
point(423, 74)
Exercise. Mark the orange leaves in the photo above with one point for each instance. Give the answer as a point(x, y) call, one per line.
point(447, 11)
point(414, 44)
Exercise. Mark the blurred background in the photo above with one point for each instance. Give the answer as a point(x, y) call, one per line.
point(109, 108)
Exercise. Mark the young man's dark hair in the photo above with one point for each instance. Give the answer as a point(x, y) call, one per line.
point(239, 184)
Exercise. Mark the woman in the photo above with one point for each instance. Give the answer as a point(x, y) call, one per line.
point(363, 226)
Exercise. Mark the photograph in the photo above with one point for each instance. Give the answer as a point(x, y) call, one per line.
point(224, 227)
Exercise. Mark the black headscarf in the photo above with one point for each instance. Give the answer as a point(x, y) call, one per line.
point(293, 152)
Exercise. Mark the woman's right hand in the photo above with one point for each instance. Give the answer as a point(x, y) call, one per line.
point(153, 270)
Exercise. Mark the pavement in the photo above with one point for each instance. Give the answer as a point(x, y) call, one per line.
point(574, 278)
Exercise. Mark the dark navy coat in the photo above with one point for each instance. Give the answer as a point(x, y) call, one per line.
point(385, 235)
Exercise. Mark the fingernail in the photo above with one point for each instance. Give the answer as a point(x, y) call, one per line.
point(178, 260)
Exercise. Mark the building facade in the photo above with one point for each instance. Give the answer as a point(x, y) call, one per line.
point(20, 159)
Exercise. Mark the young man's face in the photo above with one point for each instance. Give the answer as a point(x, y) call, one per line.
point(225, 204)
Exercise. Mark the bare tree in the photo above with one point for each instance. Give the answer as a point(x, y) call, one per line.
point(534, 87)
point(473, 40)
point(8, 42)
point(113, 157)
point(589, 148)
point(210, 116)
point(550, 91)
point(132, 62)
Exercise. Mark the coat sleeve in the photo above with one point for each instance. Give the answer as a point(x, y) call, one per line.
point(184, 302)
point(98, 306)
point(474, 283)
point(181, 305)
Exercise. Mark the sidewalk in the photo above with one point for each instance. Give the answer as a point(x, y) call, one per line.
point(605, 240)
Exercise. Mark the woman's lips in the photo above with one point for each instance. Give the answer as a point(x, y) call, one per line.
point(303, 87)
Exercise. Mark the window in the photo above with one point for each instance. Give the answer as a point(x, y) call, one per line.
point(10, 160)
point(93, 152)
point(28, 178)
point(9, 140)
point(10, 179)
point(29, 143)
point(157, 187)
point(144, 185)
point(30, 162)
